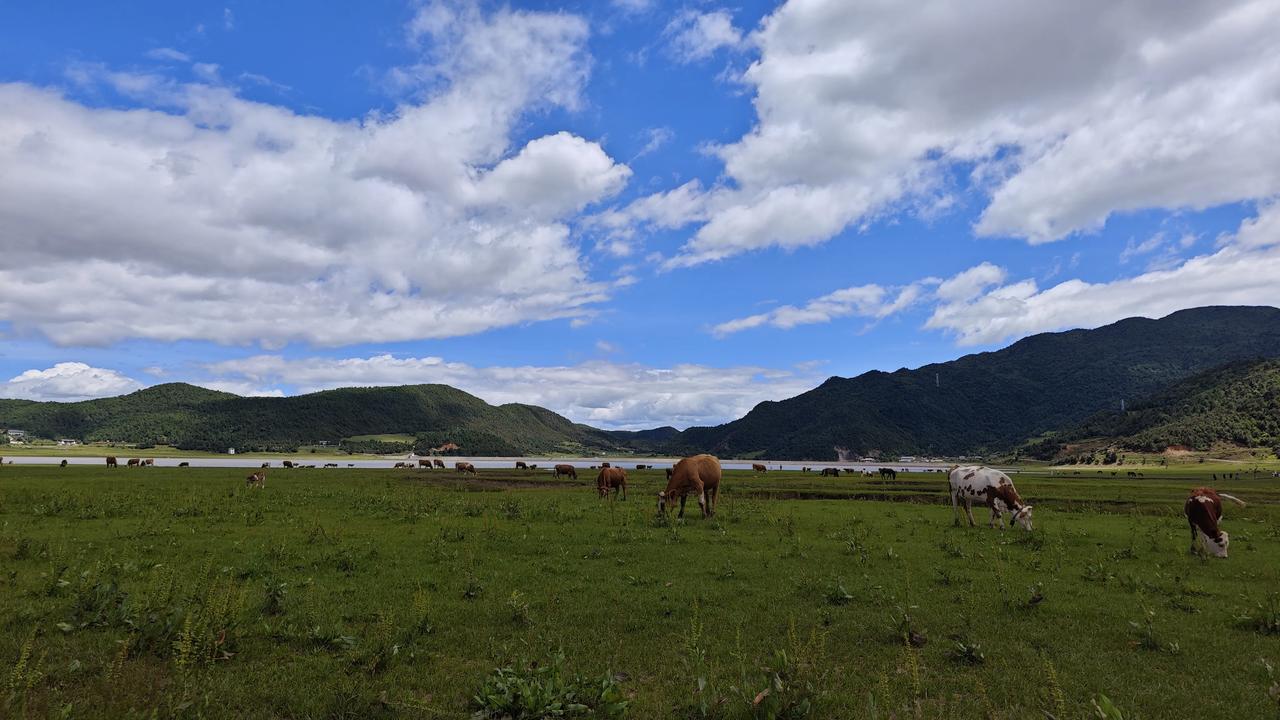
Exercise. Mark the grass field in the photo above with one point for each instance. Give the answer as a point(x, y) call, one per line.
point(378, 593)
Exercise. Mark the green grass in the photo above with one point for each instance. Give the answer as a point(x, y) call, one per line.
point(350, 593)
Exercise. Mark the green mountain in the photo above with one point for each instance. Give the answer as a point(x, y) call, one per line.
point(191, 417)
point(995, 400)
point(1237, 405)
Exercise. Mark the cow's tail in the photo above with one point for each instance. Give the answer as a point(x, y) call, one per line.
point(1232, 498)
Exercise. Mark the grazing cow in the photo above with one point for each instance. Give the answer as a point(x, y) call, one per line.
point(111, 462)
point(149, 462)
point(605, 465)
point(288, 464)
point(61, 464)
point(533, 467)
point(424, 463)
point(134, 462)
point(757, 467)
point(1204, 511)
point(889, 473)
point(564, 469)
point(641, 467)
point(612, 479)
point(994, 488)
point(699, 475)
point(830, 472)
point(521, 465)
point(331, 465)
point(465, 467)
point(438, 463)
point(266, 465)
point(258, 480)
point(184, 463)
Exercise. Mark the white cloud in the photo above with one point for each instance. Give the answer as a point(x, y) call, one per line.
point(867, 301)
point(1242, 271)
point(1069, 113)
point(206, 216)
point(970, 283)
point(655, 138)
point(632, 6)
point(694, 36)
point(166, 53)
point(228, 19)
point(68, 382)
point(600, 393)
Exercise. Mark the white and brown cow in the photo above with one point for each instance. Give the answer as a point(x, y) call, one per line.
point(1204, 511)
point(992, 488)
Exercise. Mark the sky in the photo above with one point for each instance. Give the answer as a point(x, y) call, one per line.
point(633, 212)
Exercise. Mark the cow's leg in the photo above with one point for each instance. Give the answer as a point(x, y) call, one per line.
point(955, 508)
point(1193, 539)
point(968, 510)
point(680, 515)
point(624, 491)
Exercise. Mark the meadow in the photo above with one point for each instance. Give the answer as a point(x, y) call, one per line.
point(422, 594)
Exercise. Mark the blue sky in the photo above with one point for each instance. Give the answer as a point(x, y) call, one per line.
point(632, 212)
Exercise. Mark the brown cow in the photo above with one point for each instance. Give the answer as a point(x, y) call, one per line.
point(288, 464)
point(521, 465)
point(438, 463)
point(134, 462)
point(699, 475)
point(612, 479)
point(465, 467)
point(424, 463)
point(258, 479)
point(149, 462)
point(757, 467)
point(1204, 510)
point(112, 462)
point(565, 469)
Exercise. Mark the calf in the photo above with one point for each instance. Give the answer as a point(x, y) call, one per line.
point(1204, 510)
point(993, 488)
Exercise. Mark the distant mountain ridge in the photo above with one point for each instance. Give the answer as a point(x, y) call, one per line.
point(1047, 384)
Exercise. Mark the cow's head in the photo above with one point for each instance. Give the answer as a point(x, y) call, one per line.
point(1218, 547)
point(1023, 516)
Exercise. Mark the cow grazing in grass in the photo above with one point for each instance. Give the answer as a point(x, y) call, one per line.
point(258, 480)
point(757, 467)
point(830, 472)
point(112, 462)
point(61, 464)
point(438, 463)
point(698, 475)
point(424, 463)
point(533, 467)
point(612, 479)
point(266, 465)
point(288, 464)
point(184, 463)
point(149, 462)
point(465, 467)
point(521, 465)
point(1204, 512)
point(564, 469)
point(889, 473)
point(991, 487)
point(134, 462)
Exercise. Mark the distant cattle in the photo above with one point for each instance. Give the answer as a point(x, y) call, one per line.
point(111, 462)
point(991, 487)
point(149, 462)
point(889, 473)
point(184, 463)
point(1204, 511)
point(533, 467)
point(424, 463)
point(698, 475)
point(258, 479)
point(61, 464)
point(614, 479)
point(565, 469)
point(465, 467)
point(266, 465)
point(288, 464)
point(331, 465)
point(641, 467)
point(522, 465)
point(605, 465)
point(134, 462)
point(403, 466)
point(830, 472)
point(757, 467)
point(438, 463)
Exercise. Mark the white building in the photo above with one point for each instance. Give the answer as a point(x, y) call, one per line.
point(67, 442)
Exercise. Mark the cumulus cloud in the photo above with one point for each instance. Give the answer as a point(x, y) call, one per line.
point(200, 215)
point(1069, 114)
point(694, 36)
point(603, 394)
point(1241, 271)
point(166, 53)
point(866, 301)
point(68, 382)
